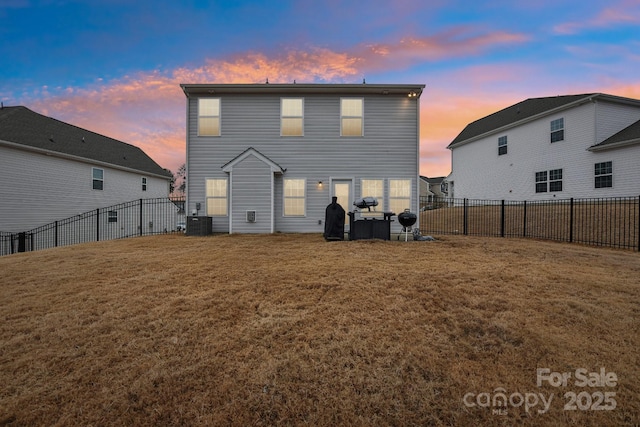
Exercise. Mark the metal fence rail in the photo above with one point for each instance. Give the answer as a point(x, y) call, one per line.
point(613, 222)
point(136, 218)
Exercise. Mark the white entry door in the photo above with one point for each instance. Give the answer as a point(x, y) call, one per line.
point(341, 188)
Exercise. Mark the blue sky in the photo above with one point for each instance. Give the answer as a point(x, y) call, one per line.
point(114, 66)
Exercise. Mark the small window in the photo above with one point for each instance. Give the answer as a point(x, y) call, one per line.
point(604, 175)
point(291, 117)
point(294, 197)
point(399, 195)
point(144, 184)
point(112, 216)
point(557, 130)
point(209, 116)
point(541, 182)
point(555, 180)
point(98, 178)
point(502, 145)
point(216, 197)
point(351, 116)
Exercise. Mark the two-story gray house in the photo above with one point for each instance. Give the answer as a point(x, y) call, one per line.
point(265, 158)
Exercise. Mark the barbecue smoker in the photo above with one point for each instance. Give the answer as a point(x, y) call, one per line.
point(406, 220)
point(369, 227)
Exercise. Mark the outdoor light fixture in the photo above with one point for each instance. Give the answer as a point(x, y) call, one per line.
point(412, 94)
point(320, 184)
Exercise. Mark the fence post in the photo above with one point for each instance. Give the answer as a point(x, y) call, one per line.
point(524, 222)
point(465, 218)
point(571, 222)
point(97, 225)
point(140, 217)
point(502, 219)
point(638, 223)
point(22, 241)
point(55, 234)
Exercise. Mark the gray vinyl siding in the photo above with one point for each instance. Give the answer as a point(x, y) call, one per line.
point(39, 189)
point(612, 118)
point(388, 149)
point(251, 182)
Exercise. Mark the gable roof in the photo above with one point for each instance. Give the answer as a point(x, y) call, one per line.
point(435, 180)
point(627, 136)
point(275, 168)
point(23, 128)
point(527, 110)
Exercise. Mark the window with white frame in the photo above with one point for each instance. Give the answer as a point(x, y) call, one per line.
point(604, 175)
point(399, 195)
point(555, 180)
point(351, 116)
point(373, 188)
point(144, 183)
point(209, 116)
point(541, 182)
point(98, 178)
point(502, 145)
point(291, 117)
point(216, 197)
point(294, 197)
point(557, 130)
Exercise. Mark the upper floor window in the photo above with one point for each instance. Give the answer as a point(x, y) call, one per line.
point(399, 195)
point(209, 116)
point(604, 175)
point(98, 178)
point(291, 117)
point(294, 197)
point(216, 197)
point(557, 130)
point(502, 145)
point(351, 116)
point(144, 183)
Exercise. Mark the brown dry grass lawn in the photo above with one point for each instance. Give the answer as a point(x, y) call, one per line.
point(292, 330)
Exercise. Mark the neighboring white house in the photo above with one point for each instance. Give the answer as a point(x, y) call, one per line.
point(51, 170)
point(264, 158)
point(432, 188)
point(579, 146)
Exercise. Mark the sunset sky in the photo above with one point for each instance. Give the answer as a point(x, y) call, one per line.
point(114, 66)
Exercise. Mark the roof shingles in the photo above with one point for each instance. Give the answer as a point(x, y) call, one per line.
point(20, 125)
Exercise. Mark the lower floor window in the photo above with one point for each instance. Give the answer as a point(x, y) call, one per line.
point(112, 216)
point(549, 181)
point(555, 180)
point(216, 197)
point(294, 197)
point(604, 175)
point(399, 195)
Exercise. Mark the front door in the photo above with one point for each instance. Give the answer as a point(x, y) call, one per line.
point(341, 188)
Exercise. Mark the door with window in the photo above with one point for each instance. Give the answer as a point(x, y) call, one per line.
point(341, 188)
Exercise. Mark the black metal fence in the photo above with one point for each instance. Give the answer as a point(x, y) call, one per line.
point(136, 218)
point(613, 222)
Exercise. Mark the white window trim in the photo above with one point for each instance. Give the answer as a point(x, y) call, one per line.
point(219, 117)
point(361, 117)
point(206, 197)
point(95, 179)
point(282, 116)
point(284, 198)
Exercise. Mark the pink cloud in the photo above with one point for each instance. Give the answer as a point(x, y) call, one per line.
point(624, 12)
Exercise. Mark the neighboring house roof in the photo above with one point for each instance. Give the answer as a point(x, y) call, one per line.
point(627, 136)
point(437, 180)
point(529, 109)
point(22, 127)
